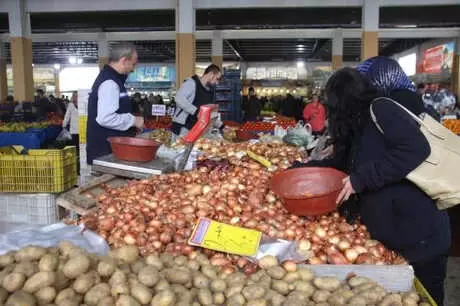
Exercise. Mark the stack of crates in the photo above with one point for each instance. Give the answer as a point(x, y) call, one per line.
point(41, 174)
point(228, 96)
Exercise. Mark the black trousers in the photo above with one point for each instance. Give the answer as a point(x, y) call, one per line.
point(76, 142)
point(431, 273)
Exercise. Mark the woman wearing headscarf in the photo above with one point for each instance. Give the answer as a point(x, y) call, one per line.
point(395, 211)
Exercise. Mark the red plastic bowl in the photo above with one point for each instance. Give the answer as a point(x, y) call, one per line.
point(308, 191)
point(134, 149)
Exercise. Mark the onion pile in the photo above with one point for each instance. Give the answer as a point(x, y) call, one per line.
point(159, 214)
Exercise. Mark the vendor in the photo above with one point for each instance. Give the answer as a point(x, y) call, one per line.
point(194, 92)
point(251, 106)
point(109, 106)
point(314, 114)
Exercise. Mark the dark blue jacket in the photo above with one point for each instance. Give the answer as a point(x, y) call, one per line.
point(97, 144)
point(395, 211)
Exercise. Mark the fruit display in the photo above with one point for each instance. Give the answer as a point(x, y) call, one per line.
point(23, 126)
point(453, 125)
point(67, 275)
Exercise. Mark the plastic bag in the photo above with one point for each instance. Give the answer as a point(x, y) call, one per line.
point(300, 135)
point(64, 135)
point(279, 132)
point(51, 235)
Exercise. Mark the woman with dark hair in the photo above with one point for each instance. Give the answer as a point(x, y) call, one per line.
point(395, 211)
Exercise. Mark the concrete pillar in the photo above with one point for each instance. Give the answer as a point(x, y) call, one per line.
point(57, 85)
point(337, 50)
point(3, 79)
point(21, 50)
point(370, 27)
point(456, 69)
point(217, 50)
point(102, 50)
point(185, 40)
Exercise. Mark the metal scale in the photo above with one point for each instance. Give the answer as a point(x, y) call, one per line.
point(137, 170)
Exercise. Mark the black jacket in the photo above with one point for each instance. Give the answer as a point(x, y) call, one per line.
point(396, 212)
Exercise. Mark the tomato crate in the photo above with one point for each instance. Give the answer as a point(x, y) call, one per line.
point(49, 171)
point(37, 208)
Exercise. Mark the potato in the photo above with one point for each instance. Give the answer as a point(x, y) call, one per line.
point(127, 253)
point(299, 297)
point(391, 300)
point(149, 276)
point(409, 298)
point(21, 298)
point(76, 266)
point(235, 278)
point(357, 300)
point(304, 286)
point(30, 253)
point(119, 289)
point(46, 295)
point(320, 296)
point(3, 295)
point(66, 294)
point(218, 285)
point(138, 266)
point(106, 267)
point(253, 292)
point(200, 281)
point(125, 268)
point(164, 298)
point(236, 300)
point(162, 285)
point(14, 281)
point(292, 277)
point(280, 286)
point(154, 260)
point(48, 263)
point(234, 289)
point(96, 293)
point(39, 280)
point(363, 287)
point(268, 261)
point(126, 300)
point(141, 293)
point(373, 295)
point(7, 270)
point(218, 298)
point(66, 247)
point(180, 260)
point(178, 276)
point(340, 297)
point(118, 277)
point(305, 273)
point(26, 267)
point(209, 271)
point(61, 282)
point(6, 259)
point(106, 301)
point(68, 302)
point(359, 280)
point(276, 272)
point(84, 282)
point(205, 297)
point(328, 283)
point(193, 265)
point(277, 299)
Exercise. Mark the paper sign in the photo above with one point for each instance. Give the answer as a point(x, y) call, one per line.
point(226, 238)
point(158, 110)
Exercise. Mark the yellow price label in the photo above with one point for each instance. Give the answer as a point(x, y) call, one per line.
point(222, 237)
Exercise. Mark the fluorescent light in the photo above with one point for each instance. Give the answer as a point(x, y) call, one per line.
point(79, 61)
point(406, 26)
point(72, 60)
point(300, 64)
point(57, 66)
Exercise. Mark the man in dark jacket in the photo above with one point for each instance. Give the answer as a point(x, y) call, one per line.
point(251, 106)
point(109, 107)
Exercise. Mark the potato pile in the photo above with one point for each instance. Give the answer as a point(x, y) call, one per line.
point(67, 276)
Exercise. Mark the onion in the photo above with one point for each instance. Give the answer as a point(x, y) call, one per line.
point(351, 255)
point(304, 245)
point(289, 266)
point(320, 232)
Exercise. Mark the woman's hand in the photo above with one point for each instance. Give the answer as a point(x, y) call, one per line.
point(346, 192)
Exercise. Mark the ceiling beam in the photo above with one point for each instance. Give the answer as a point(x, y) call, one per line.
point(392, 33)
point(60, 6)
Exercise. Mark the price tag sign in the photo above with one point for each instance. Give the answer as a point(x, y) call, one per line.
point(226, 238)
point(158, 110)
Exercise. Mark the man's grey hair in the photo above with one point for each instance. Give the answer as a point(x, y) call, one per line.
point(120, 51)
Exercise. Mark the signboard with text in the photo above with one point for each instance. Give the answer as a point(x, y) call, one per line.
point(439, 59)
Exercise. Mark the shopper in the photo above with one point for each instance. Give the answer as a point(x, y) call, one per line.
point(395, 211)
point(314, 114)
point(43, 105)
point(251, 106)
point(290, 107)
point(109, 107)
point(71, 121)
point(194, 92)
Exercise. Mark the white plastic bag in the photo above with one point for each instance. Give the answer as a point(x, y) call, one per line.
point(64, 135)
point(51, 235)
